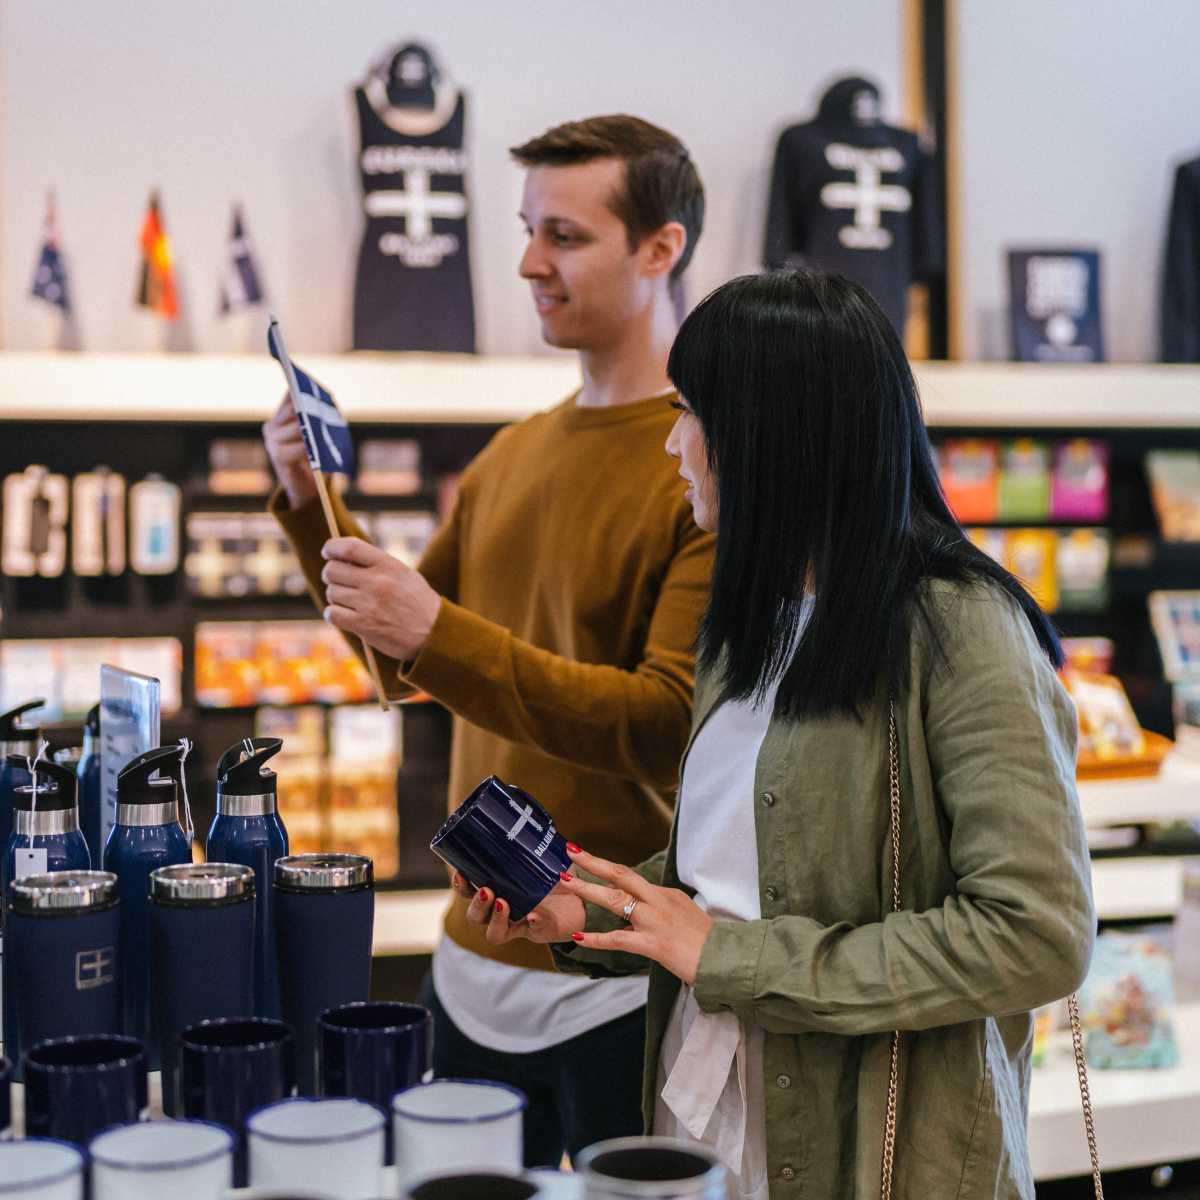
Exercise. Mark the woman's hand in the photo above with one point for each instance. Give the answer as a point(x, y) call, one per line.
point(666, 925)
point(554, 920)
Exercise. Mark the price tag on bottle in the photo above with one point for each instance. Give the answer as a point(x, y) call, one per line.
point(29, 862)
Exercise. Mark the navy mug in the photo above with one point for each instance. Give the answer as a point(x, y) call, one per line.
point(370, 1051)
point(6, 1071)
point(77, 1087)
point(501, 838)
point(474, 1186)
point(61, 958)
point(230, 1067)
point(324, 917)
point(201, 954)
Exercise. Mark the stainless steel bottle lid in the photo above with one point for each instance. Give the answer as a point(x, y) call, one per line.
point(201, 883)
point(64, 891)
point(323, 872)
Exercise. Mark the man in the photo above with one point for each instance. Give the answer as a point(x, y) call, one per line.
point(555, 612)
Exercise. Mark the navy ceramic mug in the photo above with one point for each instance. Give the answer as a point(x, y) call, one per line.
point(230, 1067)
point(370, 1051)
point(77, 1087)
point(501, 838)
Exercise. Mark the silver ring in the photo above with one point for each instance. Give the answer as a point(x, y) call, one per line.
point(627, 911)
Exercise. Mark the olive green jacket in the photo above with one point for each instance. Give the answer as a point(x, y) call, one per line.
point(997, 918)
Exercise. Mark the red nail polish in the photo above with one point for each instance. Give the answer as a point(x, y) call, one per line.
point(578, 937)
point(566, 875)
point(574, 849)
point(484, 896)
point(499, 905)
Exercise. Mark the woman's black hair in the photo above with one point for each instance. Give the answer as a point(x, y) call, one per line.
point(825, 482)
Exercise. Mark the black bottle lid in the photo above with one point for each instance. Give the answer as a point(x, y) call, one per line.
point(55, 786)
point(91, 722)
point(242, 770)
point(12, 732)
point(134, 785)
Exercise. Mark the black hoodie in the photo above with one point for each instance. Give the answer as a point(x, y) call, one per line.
point(817, 181)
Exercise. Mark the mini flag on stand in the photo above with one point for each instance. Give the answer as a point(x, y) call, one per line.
point(326, 431)
point(50, 275)
point(240, 289)
point(329, 448)
point(157, 288)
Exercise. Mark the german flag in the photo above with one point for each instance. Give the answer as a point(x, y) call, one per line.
point(157, 289)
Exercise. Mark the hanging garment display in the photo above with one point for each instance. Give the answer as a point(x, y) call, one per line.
point(1181, 278)
point(413, 283)
point(853, 195)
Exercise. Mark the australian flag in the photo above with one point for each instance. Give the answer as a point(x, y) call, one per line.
point(326, 432)
point(240, 287)
point(50, 276)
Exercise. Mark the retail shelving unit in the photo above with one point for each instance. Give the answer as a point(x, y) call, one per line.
point(169, 405)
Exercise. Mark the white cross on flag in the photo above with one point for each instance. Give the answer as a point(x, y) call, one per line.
point(326, 431)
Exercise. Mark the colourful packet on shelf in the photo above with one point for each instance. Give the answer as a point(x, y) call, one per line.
point(1083, 556)
point(970, 478)
point(1079, 488)
point(1126, 1004)
point(1030, 554)
point(1024, 490)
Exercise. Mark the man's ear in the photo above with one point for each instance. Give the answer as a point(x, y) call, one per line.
point(663, 248)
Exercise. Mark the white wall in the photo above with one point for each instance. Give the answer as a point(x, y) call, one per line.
point(249, 99)
point(1073, 115)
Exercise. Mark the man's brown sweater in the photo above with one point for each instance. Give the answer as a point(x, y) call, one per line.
point(573, 579)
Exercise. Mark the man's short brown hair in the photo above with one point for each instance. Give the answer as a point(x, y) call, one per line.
point(661, 181)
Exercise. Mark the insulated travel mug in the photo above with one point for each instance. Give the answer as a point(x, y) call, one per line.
point(77, 1087)
point(146, 835)
point(62, 958)
point(88, 774)
point(247, 830)
point(324, 917)
point(500, 837)
point(201, 954)
point(6, 1070)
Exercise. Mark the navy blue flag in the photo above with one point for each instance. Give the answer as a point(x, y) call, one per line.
point(50, 275)
point(326, 431)
point(240, 287)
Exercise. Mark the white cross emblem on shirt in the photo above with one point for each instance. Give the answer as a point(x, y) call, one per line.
point(526, 818)
point(867, 196)
point(416, 204)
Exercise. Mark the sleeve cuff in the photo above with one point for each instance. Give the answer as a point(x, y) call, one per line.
point(729, 966)
point(456, 657)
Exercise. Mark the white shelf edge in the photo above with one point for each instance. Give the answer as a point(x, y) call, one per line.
point(437, 388)
point(1171, 795)
point(408, 922)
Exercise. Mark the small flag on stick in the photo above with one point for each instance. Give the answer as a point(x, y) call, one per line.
point(240, 288)
point(328, 446)
point(157, 287)
point(50, 275)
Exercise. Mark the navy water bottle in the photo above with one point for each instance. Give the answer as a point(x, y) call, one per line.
point(88, 774)
point(247, 830)
point(147, 835)
point(201, 955)
point(22, 741)
point(64, 958)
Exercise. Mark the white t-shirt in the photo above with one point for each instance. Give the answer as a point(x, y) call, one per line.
point(516, 1010)
point(710, 1070)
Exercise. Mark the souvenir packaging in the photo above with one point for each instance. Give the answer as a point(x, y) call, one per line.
point(1126, 1003)
point(1082, 559)
point(970, 478)
point(154, 506)
point(1079, 488)
point(98, 523)
point(1175, 490)
point(1024, 488)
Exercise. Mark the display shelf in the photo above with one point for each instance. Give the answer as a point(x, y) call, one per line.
point(448, 388)
point(409, 922)
point(1171, 795)
point(1142, 1117)
point(1137, 889)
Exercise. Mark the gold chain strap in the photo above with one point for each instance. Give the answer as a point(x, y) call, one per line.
point(889, 1123)
point(1084, 1093)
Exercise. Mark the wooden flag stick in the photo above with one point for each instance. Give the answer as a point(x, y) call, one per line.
point(334, 531)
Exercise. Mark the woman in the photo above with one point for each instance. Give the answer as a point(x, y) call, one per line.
point(778, 969)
